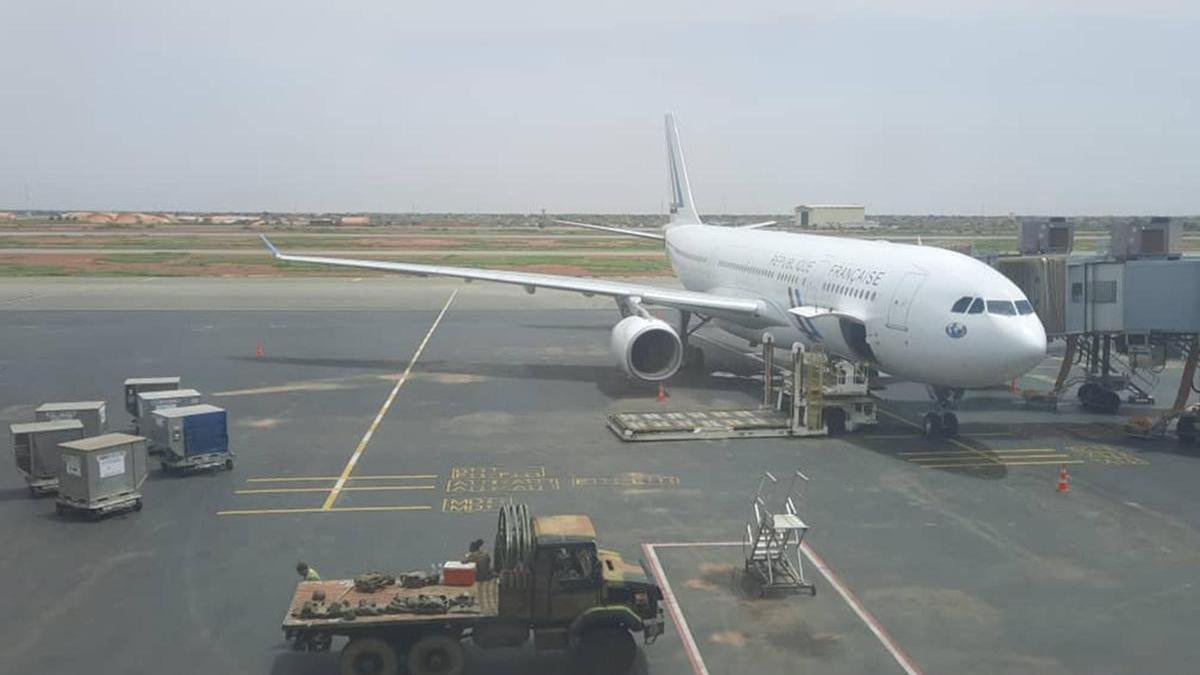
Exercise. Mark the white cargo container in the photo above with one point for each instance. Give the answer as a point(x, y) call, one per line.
point(146, 424)
point(102, 474)
point(137, 385)
point(35, 447)
point(91, 413)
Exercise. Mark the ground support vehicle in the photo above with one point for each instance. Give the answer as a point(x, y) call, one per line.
point(552, 583)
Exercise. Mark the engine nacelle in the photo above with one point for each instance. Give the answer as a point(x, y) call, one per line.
point(648, 349)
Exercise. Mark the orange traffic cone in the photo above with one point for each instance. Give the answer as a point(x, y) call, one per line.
point(258, 350)
point(1064, 481)
point(662, 393)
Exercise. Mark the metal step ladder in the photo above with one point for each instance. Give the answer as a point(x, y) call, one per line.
point(771, 544)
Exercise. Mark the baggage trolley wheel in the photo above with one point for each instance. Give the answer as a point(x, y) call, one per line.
point(137, 505)
point(229, 464)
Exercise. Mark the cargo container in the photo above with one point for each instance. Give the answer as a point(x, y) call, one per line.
point(194, 437)
point(91, 413)
point(137, 385)
point(102, 474)
point(146, 425)
point(35, 446)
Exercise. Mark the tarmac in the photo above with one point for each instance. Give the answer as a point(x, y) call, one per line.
point(928, 556)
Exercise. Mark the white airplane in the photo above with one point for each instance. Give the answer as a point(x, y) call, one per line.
point(920, 313)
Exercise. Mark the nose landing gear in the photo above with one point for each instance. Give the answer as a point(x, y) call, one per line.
point(942, 422)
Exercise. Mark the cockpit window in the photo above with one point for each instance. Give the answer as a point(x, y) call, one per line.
point(1003, 307)
point(961, 306)
point(976, 306)
point(1023, 307)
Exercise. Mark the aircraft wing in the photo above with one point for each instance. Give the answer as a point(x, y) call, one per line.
point(610, 228)
point(648, 295)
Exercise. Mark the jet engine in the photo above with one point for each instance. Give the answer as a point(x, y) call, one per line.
point(648, 349)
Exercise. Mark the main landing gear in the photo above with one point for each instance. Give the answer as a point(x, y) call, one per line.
point(942, 422)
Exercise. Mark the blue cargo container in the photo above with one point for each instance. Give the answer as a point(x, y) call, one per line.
point(195, 436)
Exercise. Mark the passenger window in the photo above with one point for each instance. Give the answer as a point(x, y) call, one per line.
point(1023, 307)
point(961, 306)
point(1001, 307)
point(976, 306)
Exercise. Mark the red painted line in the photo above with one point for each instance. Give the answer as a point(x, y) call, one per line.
point(681, 626)
point(866, 616)
point(689, 643)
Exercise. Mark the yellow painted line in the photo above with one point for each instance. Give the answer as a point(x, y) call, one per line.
point(345, 509)
point(898, 418)
point(367, 488)
point(372, 488)
point(362, 444)
point(964, 446)
point(271, 491)
point(967, 458)
point(263, 512)
point(982, 464)
point(978, 434)
point(954, 441)
point(947, 453)
point(298, 479)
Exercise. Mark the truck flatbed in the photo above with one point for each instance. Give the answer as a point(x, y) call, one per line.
point(386, 605)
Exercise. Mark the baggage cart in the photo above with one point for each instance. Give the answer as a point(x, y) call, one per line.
point(101, 475)
point(91, 413)
point(196, 437)
point(146, 425)
point(137, 385)
point(35, 447)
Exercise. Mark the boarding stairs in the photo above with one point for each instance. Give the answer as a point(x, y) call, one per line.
point(772, 541)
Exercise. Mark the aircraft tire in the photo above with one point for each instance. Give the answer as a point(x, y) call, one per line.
point(932, 425)
point(949, 424)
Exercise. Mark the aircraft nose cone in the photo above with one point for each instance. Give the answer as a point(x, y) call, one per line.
point(1028, 345)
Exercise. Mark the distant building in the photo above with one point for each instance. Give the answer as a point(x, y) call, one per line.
point(831, 215)
point(353, 221)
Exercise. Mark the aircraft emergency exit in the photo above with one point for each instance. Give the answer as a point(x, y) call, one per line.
point(920, 313)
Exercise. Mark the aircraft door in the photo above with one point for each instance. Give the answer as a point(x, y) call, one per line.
point(902, 300)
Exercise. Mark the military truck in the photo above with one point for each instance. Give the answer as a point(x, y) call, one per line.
point(551, 581)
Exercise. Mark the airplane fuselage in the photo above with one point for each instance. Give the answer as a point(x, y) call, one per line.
point(911, 309)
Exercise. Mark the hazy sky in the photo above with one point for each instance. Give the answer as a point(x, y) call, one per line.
point(1035, 106)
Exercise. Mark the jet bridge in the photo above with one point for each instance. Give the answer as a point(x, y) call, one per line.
point(1122, 312)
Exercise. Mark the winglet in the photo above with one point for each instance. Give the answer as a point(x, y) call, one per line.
point(271, 247)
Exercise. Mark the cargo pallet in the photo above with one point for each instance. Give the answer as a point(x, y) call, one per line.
point(129, 501)
point(704, 424)
point(181, 465)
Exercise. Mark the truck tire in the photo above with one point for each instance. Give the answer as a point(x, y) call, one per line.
point(608, 650)
point(436, 655)
point(369, 656)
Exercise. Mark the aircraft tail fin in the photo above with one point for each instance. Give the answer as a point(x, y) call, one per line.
point(683, 209)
